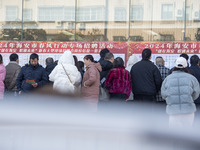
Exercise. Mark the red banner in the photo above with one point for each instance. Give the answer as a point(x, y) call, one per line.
point(166, 47)
point(60, 47)
point(95, 47)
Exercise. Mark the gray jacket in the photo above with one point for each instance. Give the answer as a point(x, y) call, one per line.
point(12, 71)
point(180, 89)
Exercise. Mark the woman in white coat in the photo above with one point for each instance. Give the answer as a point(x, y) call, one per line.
point(65, 76)
point(133, 59)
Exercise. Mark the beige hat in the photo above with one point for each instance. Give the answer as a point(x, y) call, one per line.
point(181, 63)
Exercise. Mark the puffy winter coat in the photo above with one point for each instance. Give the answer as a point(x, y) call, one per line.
point(91, 81)
point(2, 77)
point(180, 89)
point(30, 72)
point(65, 76)
point(133, 59)
point(12, 71)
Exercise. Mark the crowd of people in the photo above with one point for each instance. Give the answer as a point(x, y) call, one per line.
point(108, 80)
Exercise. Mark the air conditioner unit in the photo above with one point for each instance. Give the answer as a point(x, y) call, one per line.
point(58, 23)
point(196, 15)
point(82, 26)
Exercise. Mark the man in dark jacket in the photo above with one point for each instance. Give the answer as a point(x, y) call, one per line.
point(146, 78)
point(103, 54)
point(106, 65)
point(50, 65)
point(12, 71)
point(31, 76)
point(195, 71)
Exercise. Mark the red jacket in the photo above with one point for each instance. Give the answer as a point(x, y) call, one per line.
point(119, 81)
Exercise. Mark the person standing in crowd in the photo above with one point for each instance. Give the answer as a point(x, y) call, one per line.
point(103, 54)
point(180, 89)
point(195, 71)
point(12, 71)
point(31, 76)
point(91, 82)
point(118, 81)
point(146, 79)
point(50, 65)
point(81, 65)
point(65, 77)
point(76, 63)
point(2, 77)
point(133, 59)
point(106, 65)
point(184, 56)
point(164, 71)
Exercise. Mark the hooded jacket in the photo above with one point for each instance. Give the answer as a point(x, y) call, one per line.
point(180, 89)
point(30, 72)
point(91, 81)
point(65, 76)
point(2, 77)
point(131, 61)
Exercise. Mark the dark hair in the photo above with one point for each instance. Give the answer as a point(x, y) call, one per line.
point(76, 63)
point(118, 62)
point(1, 59)
point(194, 60)
point(49, 61)
point(184, 56)
point(13, 57)
point(108, 56)
point(181, 69)
point(56, 62)
point(146, 54)
point(81, 64)
point(34, 56)
point(90, 57)
point(103, 52)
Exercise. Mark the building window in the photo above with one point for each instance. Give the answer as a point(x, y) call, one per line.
point(167, 37)
point(136, 38)
point(27, 15)
point(69, 14)
point(12, 13)
point(91, 14)
point(119, 38)
point(167, 11)
point(56, 14)
point(120, 14)
point(137, 13)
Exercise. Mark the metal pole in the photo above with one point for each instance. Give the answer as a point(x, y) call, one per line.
point(129, 20)
point(22, 26)
point(75, 19)
point(106, 21)
point(151, 21)
point(185, 21)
